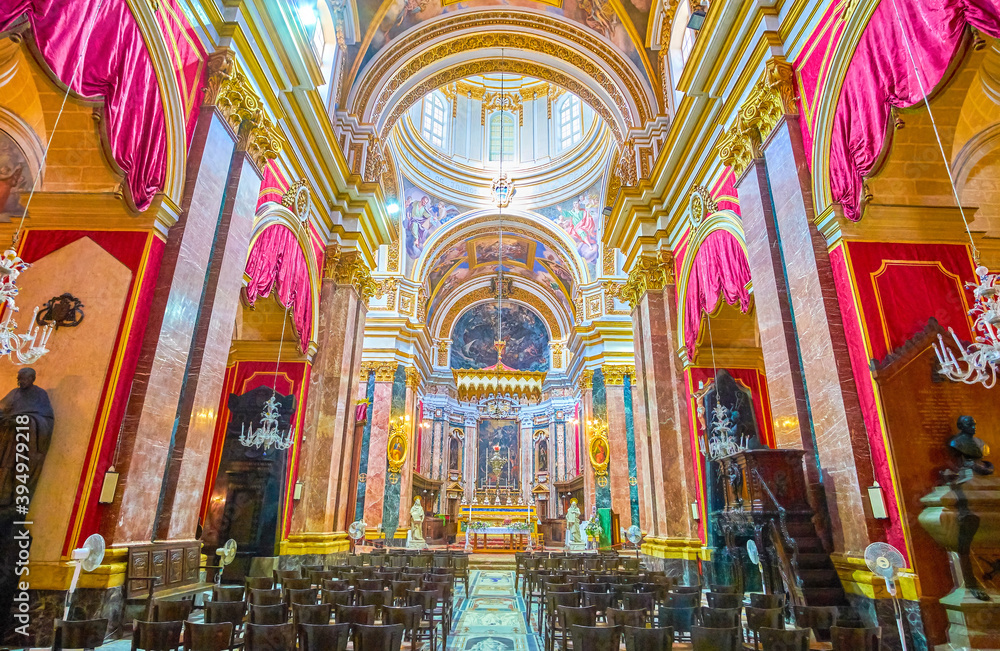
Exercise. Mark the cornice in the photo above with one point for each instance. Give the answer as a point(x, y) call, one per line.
point(347, 268)
point(649, 273)
point(614, 374)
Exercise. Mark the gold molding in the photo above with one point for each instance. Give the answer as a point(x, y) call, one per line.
point(614, 374)
point(857, 579)
point(586, 379)
point(397, 445)
point(56, 575)
point(412, 377)
point(649, 273)
point(348, 268)
point(384, 371)
point(689, 549)
point(299, 544)
point(229, 90)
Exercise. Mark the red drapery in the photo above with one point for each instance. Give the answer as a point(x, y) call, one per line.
point(276, 261)
point(116, 68)
point(881, 76)
point(719, 269)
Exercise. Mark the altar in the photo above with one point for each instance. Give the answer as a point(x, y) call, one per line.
point(499, 528)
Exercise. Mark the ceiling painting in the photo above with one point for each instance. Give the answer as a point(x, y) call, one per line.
point(423, 214)
point(487, 250)
point(580, 217)
point(625, 27)
point(472, 339)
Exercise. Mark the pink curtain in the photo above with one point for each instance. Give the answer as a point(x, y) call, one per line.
point(276, 261)
point(719, 269)
point(881, 76)
point(116, 67)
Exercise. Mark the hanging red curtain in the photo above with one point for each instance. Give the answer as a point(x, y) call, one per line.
point(719, 269)
point(116, 68)
point(881, 77)
point(276, 261)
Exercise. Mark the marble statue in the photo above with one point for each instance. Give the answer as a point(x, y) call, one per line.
point(574, 539)
point(968, 451)
point(415, 538)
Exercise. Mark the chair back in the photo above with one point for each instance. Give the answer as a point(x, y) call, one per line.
point(679, 619)
point(721, 588)
point(231, 612)
point(337, 597)
point(426, 599)
point(335, 584)
point(387, 637)
point(626, 617)
point(306, 596)
point(570, 615)
point(856, 639)
point(760, 600)
point(371, 584)
point(648, 639)
point(601, 600)
point(323, 637)
point(270, 637)
point(261, 597)
point(355, 614)
point(638, 601)
point(555, 599)
point(228, 593)
point(79, 633)
point(593, 587)
point(164, 610)
point(156, 636)
point(400, 588)
point(207, 637)
point(407, 616)
point(311, 613)
point(724, 600)
point(719, 617)
point(758, 618)
point(780, 639)
point(683, 599)
point(281, 575)
point(316, 577)
point(715, 639)
point(686, 589)
point(596, 638)
point(259, 582)
point(373, 598)
point(296, 584)
point(269, 615)
point(819, 618)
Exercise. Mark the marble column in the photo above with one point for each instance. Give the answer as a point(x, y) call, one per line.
point(411, 412)
point(471, 457)
point(666, 476)
point(526, 476)
point(618, 466)
point(329, 433)
point(379, 414)
point(802, 333)
point(587, 401)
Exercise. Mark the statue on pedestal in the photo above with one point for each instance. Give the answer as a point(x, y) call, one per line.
point(574, 539)
point(968, 451)
point(415, 537)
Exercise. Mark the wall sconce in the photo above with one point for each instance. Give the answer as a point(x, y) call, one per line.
point(697, 18)
point(297, 490)
point(109, 486)
point(877, 500)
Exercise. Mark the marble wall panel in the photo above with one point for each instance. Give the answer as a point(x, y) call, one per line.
point(379, 413)
point(618, 466)
point(366, 391)
point(633, 482)
point(602, 494)
point(152, 410)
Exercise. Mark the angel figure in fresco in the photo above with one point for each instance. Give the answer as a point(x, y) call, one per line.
point(419, 222)
point(579, 223)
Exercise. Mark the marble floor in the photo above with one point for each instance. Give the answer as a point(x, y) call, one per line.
point(492, 617)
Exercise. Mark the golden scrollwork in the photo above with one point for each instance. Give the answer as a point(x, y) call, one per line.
point(296, 198)
point(384, 371)
point(557, 354)
point(586, 379)
point(612, 290)
point(442, 352)
point(412, 377)
point(375, 163)
point(393, 262)
point(396, 446)
point(348, 268)
point(770, 99)
point(230, 91)
point(598, 447)
point(614, 374)
point(487, 22)
point(609, 261)
point(649, 273)
point(625, 168)
point(701, 204)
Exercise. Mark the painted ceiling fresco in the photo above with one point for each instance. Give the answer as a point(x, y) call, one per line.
point(626, 28)
point(423, 214)
point(15, 178)
point(524, 331)
point(477, 257)
point(580, 217)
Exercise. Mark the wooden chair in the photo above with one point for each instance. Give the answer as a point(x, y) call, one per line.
point(337, 597)
point(268, 615)
point(639, 601)
point(600, 600)
point(548, 616)
point(724, 600)
point(758, 618)
point(407, 616)
point(207, 637)
point(679, 619)
point(566, 617)
point(334, 584)
point(164, 610)
point(306, 596)
point(355, 614)
point(648, 639)
point(156, 636)
point(376, 598)
point(428, 602)
point(317, 577)
point(228, 593)
point(311, 613)
point(462, 571)
point(323, 637)
point(780, 639)
point(626, 617)
point(296, 584)
point(856, 639)
point(78, 634)
point(231, 612)
point(371, 584)
point(264, 637)
point(281, 575)
point(715, 639)
point(596, 638)
point(686, 589)
point(719, 617)
point(387, 637)
point(819, 618)
point(260, 597)
point(760, 600)
point(259, 583)
point(446, 603)
point(683, 599)
point(723, 588)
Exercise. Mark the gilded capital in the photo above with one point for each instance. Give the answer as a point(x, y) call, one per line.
point(738, 146)
point(412, 377)
point(367, 368)
point(587, 379)
point(614, 374)
point(649, 273)
point(385, 371)
point(347, 268)
point(229, 90)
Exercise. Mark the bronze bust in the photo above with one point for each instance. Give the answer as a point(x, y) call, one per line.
point(968, 451)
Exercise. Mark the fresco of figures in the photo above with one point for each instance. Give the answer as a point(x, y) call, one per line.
point(580, 217)
point(498, 437)
point(599, 16)
point(422, 215)
point(524, 331)
point(15, 178)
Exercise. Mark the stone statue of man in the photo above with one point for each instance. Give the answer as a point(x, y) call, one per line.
point(416, 540)
point(25, 417)
point(573, 523)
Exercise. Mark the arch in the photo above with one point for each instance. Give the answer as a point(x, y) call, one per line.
point(490, 306)
point(442, 323)
point(722, 225)
point(265, 275)
point(551, 50)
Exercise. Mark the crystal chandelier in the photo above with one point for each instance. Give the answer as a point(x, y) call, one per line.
point(722, 443)
point(978, 361)
point(19, 348)
point(268, 435)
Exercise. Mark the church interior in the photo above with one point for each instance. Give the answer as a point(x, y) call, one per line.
point(499, 326)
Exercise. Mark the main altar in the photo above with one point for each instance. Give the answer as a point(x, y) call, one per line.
point(499, 528)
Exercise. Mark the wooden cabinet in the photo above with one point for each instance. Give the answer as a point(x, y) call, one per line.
point(169, 565)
